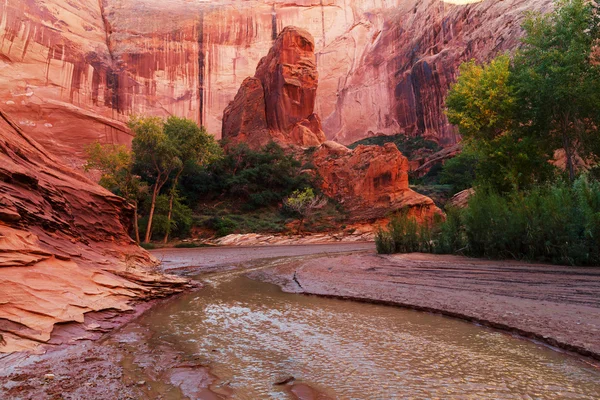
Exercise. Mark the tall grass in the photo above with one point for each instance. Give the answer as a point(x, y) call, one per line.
point(558, 223)
point(404, 234)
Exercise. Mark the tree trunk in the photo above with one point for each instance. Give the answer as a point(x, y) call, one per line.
point(300, 225)
point(152, 205)
point(566, 145)
point(569, 156)
point(166, 239)
point(173, 189)
point(136, 229)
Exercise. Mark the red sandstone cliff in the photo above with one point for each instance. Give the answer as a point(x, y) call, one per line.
point(72, 72)
point(64, 248)
point(278, 103)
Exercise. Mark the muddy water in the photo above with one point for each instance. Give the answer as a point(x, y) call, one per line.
point(252, 335)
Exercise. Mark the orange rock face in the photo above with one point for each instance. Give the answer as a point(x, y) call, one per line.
point(64, 248)
point(72, 72)
point(278, 103)
point(370, 181)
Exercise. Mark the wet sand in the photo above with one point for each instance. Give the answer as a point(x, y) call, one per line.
point(557, 305)
point(208, 259)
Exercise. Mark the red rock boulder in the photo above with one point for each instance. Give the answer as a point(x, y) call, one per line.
point(370, 181)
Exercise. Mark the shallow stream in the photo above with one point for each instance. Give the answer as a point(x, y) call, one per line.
point(252, 335)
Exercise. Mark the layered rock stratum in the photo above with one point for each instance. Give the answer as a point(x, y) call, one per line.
point(66, 260)
point(72, 72)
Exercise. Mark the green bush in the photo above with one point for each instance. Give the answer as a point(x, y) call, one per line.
point(223, 226)
point(409, 146)
point(403, 234)
point(260, 178)
point(189, 245)
point(459, 172)
point(557, 223)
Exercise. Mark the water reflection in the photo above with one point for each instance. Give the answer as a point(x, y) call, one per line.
point(252, 335)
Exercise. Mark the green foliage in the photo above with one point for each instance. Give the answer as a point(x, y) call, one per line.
point(513, 115)
point(192, 144)
point(304, 203)
point(223, 225)
point(260, 178)
point(224, 222)
point(190, 245)
point(482, 103)
point(403, 234)
point(155, 156)
point(558, 223)
point(115, 164)
point(459, 171)
point(557, 76)
point(409, 146)
point(181, 221)
point(451, 236)
point(148, 246)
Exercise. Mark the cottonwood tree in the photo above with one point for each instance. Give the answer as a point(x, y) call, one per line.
point(115, 163)
point(304, 203)
point(483, 104)
point(557, 77)
point(191, 145)
point(155, 156)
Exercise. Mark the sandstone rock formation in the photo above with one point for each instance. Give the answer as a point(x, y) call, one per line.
point(64, 248)
point(278, 103)
point(72, 72)
point(370, 181)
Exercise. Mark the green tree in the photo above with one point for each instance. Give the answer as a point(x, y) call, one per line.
point(459, 171)
point(557, 76)
point(304, 203)
point(483, 103)
point(116, 166)
point(155, 156)
point(191, 144)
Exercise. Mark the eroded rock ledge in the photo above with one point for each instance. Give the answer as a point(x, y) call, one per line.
point(64, 248)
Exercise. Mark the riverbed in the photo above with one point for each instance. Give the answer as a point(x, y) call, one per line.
point(253, 336)
point(245, 338)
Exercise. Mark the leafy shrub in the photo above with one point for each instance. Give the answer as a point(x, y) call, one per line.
point(409, 146)
point(189, 245)
point(181, 220)
point(403, 234)
point(261, 178)
point(557, 223)
point(223, 226)
point(459, 172)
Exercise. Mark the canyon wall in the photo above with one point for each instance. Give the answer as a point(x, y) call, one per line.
point(72, 72)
